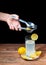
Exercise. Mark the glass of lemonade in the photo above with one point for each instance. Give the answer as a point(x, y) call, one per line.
point(30, 45)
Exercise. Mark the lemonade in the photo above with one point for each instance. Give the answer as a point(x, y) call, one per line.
point(30, 46)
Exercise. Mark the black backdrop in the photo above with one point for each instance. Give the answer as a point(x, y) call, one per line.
point(34, 12)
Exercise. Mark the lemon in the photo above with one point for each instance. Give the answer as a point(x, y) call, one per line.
point(24, 56)
point(34, 36)
point(21, 50)
point(38, 53)
point(28, 28)
point(33, 55)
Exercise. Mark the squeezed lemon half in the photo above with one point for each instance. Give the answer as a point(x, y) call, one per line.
point(28, 28)
point(21, 50)
point(34, 36)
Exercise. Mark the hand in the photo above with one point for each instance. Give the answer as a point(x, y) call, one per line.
point(13, 22)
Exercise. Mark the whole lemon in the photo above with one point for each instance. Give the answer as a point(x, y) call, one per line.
point(21, 50)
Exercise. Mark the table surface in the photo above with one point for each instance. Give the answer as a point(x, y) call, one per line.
point(9, 55)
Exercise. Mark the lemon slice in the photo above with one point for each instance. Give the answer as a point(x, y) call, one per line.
point(33, 55)
point(38, 53)
point(34, 36)
point(21, 50)
point(24, 56)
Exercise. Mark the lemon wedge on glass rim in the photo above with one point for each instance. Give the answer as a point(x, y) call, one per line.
point(34, 36)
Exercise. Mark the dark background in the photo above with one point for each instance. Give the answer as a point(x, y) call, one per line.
point(27, 10)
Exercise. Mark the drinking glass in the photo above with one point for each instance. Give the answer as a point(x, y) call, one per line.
point(30, 45)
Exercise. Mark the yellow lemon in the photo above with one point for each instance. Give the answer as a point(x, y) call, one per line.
point(21, 50)
point(33, 55)
point(34, 36)
point(28, 28)
point(24, 56)
point(38, 53)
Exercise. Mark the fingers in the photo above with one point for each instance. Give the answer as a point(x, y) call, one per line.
point(17, 25)
point(11, 26)
point(14, 23)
